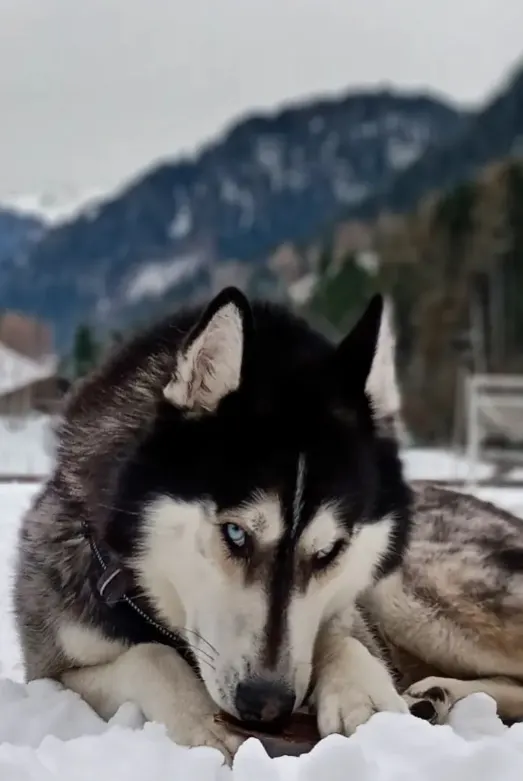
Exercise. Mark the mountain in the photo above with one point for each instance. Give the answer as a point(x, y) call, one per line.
point(492, 134)
point(186, 224)
point(54, 207)
point(18, 234)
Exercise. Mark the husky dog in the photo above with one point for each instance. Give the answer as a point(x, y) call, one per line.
point(228, 527)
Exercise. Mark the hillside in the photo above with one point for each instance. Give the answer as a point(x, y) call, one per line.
point(196, 223)
point(18, 234)
point(454, 270)
point(494, 133)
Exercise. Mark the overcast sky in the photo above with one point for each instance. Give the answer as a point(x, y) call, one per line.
point(91, 91)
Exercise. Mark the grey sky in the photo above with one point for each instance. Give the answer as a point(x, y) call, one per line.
point(93, 90)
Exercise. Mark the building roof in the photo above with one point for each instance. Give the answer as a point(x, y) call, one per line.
point(18, 371)
point(25, 334)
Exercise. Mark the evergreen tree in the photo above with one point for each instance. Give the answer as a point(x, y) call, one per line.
point(85, 351)
point(342, 295)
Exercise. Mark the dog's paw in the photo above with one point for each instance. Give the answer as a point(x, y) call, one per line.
point(351, 689)
point(207, 732)
point(189, 714)
point(431, 699)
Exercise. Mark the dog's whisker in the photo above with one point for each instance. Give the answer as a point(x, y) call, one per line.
point(200, 637)
point(202, 659)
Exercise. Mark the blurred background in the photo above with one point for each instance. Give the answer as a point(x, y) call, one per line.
point(310, 152)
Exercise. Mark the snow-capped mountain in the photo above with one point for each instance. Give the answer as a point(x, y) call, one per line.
point(268, 180)
point(18, 234)
point(56, 207)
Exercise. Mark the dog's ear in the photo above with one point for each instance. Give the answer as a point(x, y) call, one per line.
point(366, 358)
point(209, 364)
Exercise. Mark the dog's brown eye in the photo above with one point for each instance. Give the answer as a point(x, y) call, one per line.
point(236, 539)
point(325, 557)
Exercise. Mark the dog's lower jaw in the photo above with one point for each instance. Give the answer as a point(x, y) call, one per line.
point(164, 687)
point(352, 685)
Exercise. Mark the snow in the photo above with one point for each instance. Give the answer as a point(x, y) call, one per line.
point(231, 192)
point(269, 154)
point(26, 446)
point(182, 222)
point(347, 190)
point(153, 279)
point(14, 499)
point(423, 463)
point(49, 734)
point(302, 290)
point(402, 152)
point(17, 371)
point(56, 207)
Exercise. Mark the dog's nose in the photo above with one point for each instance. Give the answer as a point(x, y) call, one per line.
point(264, 702)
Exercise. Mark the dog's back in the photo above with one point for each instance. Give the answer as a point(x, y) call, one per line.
point(452, 616)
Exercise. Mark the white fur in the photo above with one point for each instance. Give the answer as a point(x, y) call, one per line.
point(170, 545)
point(367, 549)
point(86, 645)
point(155, 678)
point(181, 567)
point(210, 367)
point(382, 385)
point(352, 685)
point(335, 594)
point(180, 570)
point(320, 533)
point(261, 517)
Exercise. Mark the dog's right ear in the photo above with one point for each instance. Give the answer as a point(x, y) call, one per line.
point(366, 359)
point(210, 362)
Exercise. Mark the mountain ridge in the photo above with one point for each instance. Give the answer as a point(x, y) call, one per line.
point(269, 178)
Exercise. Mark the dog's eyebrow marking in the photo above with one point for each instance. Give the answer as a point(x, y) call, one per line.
point(259, 523)
point(297, 504)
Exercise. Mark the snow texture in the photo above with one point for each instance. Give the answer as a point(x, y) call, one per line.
point(55, 208)
point(26, 447)
point(17, 371)
point(153, 279)
point(49, 734)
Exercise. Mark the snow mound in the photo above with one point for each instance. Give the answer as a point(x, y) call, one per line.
point(48, 733)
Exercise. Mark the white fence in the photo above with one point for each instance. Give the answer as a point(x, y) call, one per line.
point(494, 405)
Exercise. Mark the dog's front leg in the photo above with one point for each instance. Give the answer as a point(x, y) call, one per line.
point(351, 683)
point(163, 686)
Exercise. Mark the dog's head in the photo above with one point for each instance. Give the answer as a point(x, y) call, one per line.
point(268, 494)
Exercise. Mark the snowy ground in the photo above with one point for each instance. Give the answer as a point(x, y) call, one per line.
point(25, 446)
point(47, 734)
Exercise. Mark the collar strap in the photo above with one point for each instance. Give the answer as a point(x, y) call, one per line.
point(115, 582)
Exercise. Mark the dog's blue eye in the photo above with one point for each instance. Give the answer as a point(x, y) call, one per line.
point(235, 534)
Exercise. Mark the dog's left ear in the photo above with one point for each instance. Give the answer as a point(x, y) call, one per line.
point(209, 364)
point(366, 359)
